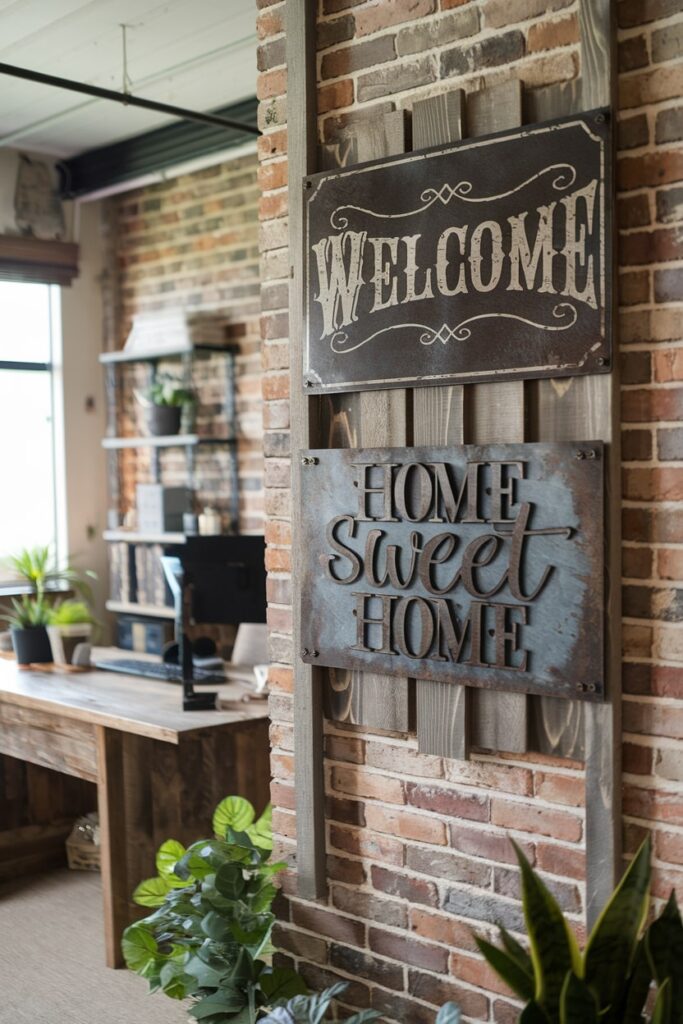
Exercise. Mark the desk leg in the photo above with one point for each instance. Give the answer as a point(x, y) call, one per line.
point(110, 798)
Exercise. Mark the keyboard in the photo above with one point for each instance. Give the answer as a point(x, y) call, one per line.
point(156, 670)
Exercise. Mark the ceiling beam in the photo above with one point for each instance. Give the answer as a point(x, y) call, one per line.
point(158, 150)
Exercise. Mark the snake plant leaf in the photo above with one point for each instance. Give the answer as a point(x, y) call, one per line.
point(533, 1014)
point(516, 950)
point(663, 1004)
point(578, 1005)
point(612, 943)
point(520, 981)
point(554, 950)
point(234, 812)
point(638, 986)
point(664, 946)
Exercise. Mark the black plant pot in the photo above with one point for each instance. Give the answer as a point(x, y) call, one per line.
point(31, 645)
point(164, 419)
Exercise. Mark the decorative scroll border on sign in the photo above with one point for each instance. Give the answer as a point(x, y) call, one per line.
point(593, 356)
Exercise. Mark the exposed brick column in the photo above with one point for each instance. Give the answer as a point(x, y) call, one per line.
point(417, 846)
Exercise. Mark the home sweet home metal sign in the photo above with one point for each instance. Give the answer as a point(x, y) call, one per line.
point(483, 260)
point(480, 565)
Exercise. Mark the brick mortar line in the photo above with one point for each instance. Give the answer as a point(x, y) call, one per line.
point(646, 29)
point(532, 800)
point(433, 54)
point(435, 780)
point(649, 700)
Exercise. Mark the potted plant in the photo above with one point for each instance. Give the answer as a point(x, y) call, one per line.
point(209, 935)
point(165, 400)
point(70, 626)
point(30, 614)
point(609, 982)
point(28, 626)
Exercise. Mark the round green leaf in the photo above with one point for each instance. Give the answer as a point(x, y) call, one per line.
point(234, 812)
point(139, 949)
point(168, 855)
point(230, 881)
point(151, 892)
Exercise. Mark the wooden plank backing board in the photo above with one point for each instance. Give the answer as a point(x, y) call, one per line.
point(515, 411)
point(442, 712)
point(368, 419)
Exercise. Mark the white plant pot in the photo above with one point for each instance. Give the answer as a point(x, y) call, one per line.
point(71, 644)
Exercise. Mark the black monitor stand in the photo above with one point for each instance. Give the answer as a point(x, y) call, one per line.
point(177, 581)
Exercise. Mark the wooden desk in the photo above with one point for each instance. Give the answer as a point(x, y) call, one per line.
point(159, 771)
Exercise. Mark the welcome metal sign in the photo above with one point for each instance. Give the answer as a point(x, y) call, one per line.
point(483, 260)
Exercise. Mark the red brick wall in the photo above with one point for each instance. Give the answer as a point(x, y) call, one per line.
point(192, 242)
point(417, 847)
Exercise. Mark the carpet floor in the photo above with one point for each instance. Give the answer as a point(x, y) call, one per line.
point(52, 959)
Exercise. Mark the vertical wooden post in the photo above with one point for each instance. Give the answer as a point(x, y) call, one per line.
point(603, 721)
point(308, 713)
point(582, 408)
point(111, 802)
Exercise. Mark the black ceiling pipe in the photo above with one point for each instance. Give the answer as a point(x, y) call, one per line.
point(126, 99)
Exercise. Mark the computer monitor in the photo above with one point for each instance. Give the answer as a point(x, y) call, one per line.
point(227, 578)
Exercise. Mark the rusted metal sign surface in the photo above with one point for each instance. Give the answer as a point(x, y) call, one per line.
point(479, 260)
point(480, 565)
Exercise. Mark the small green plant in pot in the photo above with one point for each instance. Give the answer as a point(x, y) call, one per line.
point(609, 982)
point(208, 937)
point(70, 627)
point(37, 568)
point(166, 399)
point(28, 626)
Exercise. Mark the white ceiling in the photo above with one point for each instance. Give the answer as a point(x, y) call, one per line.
point(198, 54)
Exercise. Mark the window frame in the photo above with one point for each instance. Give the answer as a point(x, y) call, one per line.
point(10, 586)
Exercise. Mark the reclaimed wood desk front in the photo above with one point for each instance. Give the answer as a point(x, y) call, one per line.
point(159, 771)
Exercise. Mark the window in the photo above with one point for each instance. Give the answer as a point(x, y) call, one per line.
point(28, 342)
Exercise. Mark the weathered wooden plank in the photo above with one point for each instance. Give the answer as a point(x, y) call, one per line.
point(603, 722)
point(441, 709)
point(113, 840)
point(52, 741)
point(557, 726)
point(308, 714)
point(373, 419)
point(495, 412)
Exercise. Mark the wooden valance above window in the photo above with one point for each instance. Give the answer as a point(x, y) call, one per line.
point(37, 260)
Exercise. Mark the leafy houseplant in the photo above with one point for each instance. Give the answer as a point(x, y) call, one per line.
point(313, 1010)
point(209, 935)
point(165, 399)
point(607, 983)
point(31, 614)
point(70, 626)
